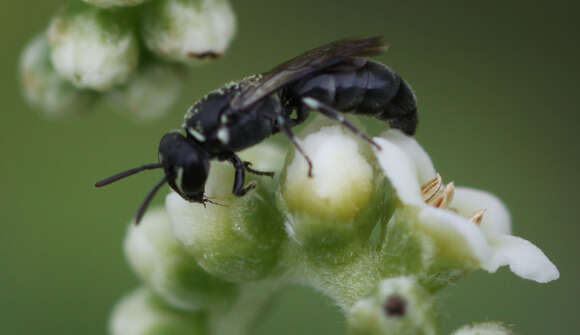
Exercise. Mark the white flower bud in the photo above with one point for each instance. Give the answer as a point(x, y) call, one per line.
point(168, 269)
point(114, 3)
point(484, 328)
point(142, 313)
point(188, 30)
point(150, 93)
point(93, 48)
point(397, 306)
point(44, 88)
point(341, 198)
point(240, 239)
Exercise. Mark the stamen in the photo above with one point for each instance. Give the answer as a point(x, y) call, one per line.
point(477, 217)
point(443, 197)
point(431, 187)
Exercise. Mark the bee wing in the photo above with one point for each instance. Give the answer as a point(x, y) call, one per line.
point(306, 64)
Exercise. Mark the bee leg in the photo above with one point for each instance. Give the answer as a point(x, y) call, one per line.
point(337, 116)
point(240, 177)
point(257, 172)
point(288, 131)
point(302, 113)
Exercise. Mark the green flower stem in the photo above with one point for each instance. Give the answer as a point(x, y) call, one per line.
point(348, 276)
point(244, 313)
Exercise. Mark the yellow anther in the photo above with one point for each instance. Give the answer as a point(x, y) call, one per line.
point(477, 217)
point(431, 187)
point(443, 197)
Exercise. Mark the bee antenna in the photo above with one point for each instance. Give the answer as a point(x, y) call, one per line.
point(148, 199)
point(127, 173)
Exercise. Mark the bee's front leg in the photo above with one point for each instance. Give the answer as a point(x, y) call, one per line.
point(240, 176)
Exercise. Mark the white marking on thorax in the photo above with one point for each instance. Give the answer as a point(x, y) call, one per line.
point(198, 136)
point(179, 179)
point(223, 135)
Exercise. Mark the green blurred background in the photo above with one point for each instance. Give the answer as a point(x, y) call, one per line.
point(497, 87)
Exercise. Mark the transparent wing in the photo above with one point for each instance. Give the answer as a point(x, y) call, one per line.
point(304, 65)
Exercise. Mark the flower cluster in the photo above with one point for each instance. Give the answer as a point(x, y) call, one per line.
point(132, 54)
point(378, 231)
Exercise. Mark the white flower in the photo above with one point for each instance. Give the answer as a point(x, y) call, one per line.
point(44, 88)
point(188, 30)
point(114, 3)
point(93, 48)
point(484, 238)
point(150, 93)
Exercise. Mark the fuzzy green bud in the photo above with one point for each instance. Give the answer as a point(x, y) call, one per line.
point(142, 313)
point(485, 328)
point(44, 88)
point(342, 201)
point(396, 306)
point(162, 263)
point(93, 48)
point(150, 93)
point(188, 30)
point(114, 3)
point(237, 240)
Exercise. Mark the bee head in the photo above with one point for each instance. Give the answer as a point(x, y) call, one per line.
point(186, 166)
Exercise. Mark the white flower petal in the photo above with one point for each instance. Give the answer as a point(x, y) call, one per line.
point(400, 170)
point(524, 258)
point(497, 217)
point(425, 169)
point(456, 234)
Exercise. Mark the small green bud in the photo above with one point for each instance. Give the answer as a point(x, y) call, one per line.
point(93, 48)
point(162, 263)
point(239, 239)
point(396, 306)
point(44, 88)
point(342, 201)
point(114, 3)
point(188, 30)
point(484, 328)
point(150, 93)
point(142, 313)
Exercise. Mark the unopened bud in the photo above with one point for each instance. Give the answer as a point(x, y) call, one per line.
point(169, 270)
point(150, 93)
point(237, 239)
point(142, 313)
point(93, 48)
point(396, 306)
point(485, 328)
point(188, 30)
point(44, 88)
point(341, 201)
point(114, 3)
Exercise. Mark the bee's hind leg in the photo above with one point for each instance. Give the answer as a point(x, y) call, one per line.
point(286, 128)
point(336, 115)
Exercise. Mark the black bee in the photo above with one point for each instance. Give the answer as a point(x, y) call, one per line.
point(333, 79)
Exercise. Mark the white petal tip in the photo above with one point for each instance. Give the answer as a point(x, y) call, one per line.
point(523, 257)
point(400, 170)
